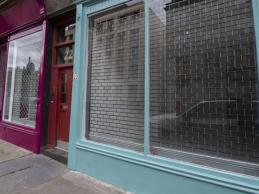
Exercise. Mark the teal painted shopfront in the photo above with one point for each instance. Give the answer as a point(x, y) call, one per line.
point(165, 95)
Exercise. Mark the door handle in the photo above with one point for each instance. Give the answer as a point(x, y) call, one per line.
point(64, 107)
point(52, 98)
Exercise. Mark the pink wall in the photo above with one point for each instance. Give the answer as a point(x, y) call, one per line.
point(21, 13)
point(23, 17)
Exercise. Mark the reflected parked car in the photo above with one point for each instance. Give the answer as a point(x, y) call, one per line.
point(226, 116)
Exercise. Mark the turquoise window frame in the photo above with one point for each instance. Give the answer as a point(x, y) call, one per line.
point(77, 140)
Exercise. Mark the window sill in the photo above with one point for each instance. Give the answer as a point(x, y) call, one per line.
point(19, 127)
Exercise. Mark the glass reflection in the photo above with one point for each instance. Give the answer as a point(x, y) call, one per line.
point(116, 70)
point(67, 33)
point(203, 79)
point(24, 59)
point(65, 55)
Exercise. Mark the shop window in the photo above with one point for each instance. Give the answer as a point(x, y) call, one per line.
point(116, 84)
point(203, 80)
point(22, 77)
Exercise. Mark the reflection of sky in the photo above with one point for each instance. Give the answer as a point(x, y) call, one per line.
point(28, 46)
point(33, 51)
point(158, 8)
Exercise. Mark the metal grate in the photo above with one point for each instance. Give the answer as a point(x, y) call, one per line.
point(25, 92)
point(203, 79)
point(116, 84)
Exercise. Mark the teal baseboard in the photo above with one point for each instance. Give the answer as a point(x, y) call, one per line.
point(144, 175)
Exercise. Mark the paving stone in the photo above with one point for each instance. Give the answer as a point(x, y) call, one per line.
point(75, 183)
point(32, 175)
point(19, 164)
point(92, 185)
point(9, 152)
point(22, 172)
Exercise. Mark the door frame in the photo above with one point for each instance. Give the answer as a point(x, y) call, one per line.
point(54, 79)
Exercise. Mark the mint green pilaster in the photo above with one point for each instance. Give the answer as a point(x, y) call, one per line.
point(76, 110)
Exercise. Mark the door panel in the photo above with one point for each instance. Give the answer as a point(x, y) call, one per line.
point(64, 103)
point(53, 102)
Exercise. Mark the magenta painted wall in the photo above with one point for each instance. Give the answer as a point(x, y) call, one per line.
point(23, 17)
point(21, 13)
point(3, 60)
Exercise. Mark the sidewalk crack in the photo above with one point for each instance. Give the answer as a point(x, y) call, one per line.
point(15, 171)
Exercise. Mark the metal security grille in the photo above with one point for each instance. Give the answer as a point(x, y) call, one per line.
point(116, 78)
point(203, 79)
point(25, 93)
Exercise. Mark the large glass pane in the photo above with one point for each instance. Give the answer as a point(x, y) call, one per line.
point(67, 33)
point(116, 78)
point(21, 95)
point(65, 55)
point(203, 79)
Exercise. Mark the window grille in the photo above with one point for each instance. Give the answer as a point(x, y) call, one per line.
point(116, 78)
point(203, 80)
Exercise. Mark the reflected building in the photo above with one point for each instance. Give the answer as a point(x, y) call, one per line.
point(117, 77)
point(25, 97)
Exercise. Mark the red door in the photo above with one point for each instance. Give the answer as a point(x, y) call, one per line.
point(61, 82)
point(64, 103)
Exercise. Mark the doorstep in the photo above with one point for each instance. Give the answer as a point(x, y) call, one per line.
point(55, 153)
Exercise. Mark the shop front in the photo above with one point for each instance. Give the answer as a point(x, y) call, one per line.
point(165, 95)
point(22, 65)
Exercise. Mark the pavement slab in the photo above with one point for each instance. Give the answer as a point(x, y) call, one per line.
point(29, 172)
point(22, 172)
point(10, 152)
point(74, 183)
